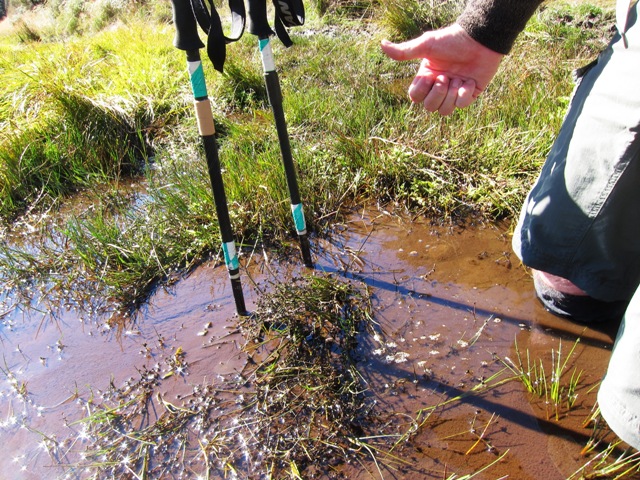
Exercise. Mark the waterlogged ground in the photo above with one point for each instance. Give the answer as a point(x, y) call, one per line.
point(451, 304)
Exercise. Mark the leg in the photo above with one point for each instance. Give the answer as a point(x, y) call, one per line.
point(619, 394)
point(581, 220)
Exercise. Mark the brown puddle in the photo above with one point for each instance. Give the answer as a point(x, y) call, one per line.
point(450, 302)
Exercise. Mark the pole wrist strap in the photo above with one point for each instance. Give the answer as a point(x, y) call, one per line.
point(289, 13)
point(210, 23)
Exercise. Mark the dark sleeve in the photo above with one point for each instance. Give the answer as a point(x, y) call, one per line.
point(496, 23)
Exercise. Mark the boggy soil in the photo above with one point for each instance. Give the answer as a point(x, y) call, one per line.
point(452, 302)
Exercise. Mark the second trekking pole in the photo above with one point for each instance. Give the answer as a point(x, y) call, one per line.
point(259, 26)
point(187, 39)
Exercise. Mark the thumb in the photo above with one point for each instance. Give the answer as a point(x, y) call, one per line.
point(410, 50)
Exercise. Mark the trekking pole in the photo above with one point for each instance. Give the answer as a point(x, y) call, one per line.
point(259, 26)
point(187, 39)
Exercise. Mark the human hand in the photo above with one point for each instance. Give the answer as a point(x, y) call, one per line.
point(454, 69)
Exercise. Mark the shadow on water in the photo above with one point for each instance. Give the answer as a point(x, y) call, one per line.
point(434, 288)
point(448, 304)
point(567, 333)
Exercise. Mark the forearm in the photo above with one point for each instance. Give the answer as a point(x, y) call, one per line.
point(496, 23)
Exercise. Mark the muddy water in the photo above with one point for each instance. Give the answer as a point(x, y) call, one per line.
point(450, 302)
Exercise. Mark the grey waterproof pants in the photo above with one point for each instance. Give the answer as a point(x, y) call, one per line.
point(581, 220)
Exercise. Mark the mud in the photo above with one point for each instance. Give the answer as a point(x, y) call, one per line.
point(451, 302)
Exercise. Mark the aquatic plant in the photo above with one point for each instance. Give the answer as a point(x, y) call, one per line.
point(533, 377)
point(300, 405)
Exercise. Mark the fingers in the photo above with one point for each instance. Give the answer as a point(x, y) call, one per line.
point(467, 93)
point(433, 91)
point(439, 93)
point(448, 104)
point(436, 93)
point(421, 85)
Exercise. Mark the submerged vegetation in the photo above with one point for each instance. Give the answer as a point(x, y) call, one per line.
point(104, 195)
point(298, 407)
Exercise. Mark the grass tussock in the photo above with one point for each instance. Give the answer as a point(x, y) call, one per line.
point(299, 408)
point(304, 338)
point(559, 392)
point(406, 19)
point(64, 127)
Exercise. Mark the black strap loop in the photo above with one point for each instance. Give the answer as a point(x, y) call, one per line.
point(289, 13)
point(210, 23)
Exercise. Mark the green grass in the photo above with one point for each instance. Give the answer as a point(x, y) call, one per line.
point(95, 113)
point(558, 392)
point(610, 463)
point(74, 114)
point(406, 19)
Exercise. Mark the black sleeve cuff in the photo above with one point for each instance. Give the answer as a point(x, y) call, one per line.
point(497, 23)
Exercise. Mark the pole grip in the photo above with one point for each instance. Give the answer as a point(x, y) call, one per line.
point(186, 27)
point(257, 22)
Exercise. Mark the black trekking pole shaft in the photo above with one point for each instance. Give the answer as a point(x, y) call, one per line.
point(275, 99)
point(187, 39)
point(259, 26)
